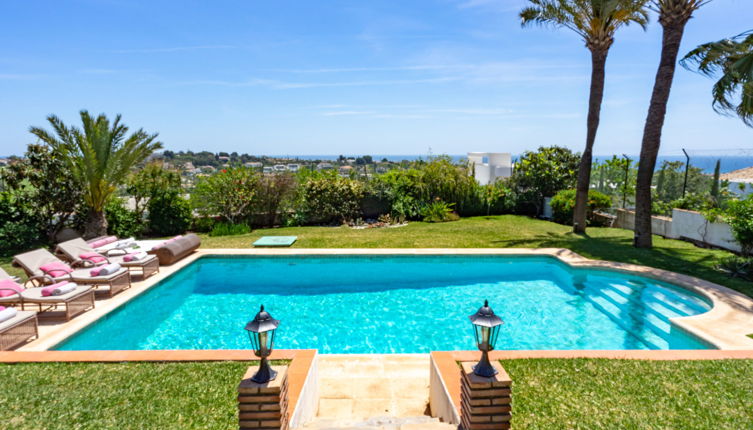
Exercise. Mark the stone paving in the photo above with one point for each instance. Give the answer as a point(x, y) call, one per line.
point(373, 390)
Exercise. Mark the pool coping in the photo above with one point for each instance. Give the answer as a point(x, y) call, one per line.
point(725, 326)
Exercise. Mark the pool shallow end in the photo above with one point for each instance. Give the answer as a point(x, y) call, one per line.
point(725, 326)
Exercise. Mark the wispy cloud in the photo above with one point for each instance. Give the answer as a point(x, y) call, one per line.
point(172, 49)
point(345, 113)
point(283, 85)
point(19, 76)
point(496, 5)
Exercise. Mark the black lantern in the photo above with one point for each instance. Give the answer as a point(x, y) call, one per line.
point(261, 330)
point(486, 328)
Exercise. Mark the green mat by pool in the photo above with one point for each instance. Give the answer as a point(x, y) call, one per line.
point(276, 241)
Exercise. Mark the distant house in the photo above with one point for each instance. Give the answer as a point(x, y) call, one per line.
point(350, 160)
point(189, 166)
point(345, 170)
point(490, 166)
point(382, 169)
point(268, 169)
point(281, 168)
point(224, 158)
point(324, 166)
point(207, 169)
point(4, 161)
point(254, 164)
point(294, 167)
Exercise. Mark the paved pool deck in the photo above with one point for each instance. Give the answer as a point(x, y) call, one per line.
point(725, 326)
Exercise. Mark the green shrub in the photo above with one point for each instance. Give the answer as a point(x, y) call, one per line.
point(203, 224)
point(329, 198)
point(121, 221)
point(541, 174)
point(169, 214)
point(272, 196)
point(439, 211)
point(228, 194)
point(739, 215)
point(227, 229)
point(20, 226)
point(563, 204)
point(736, 267)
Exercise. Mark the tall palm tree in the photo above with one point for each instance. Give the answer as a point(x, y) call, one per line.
point(673, 15)
point(100, 156)
point(734, 59)
point(596, 22)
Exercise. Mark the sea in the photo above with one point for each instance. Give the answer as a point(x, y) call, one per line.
point(706, 163)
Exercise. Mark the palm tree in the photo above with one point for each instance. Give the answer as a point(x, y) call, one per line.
point(734, 58)
point(673, 15)
point(100, 156)
point(596, 22)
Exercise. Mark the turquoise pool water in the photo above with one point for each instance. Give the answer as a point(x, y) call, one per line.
point(397, 304)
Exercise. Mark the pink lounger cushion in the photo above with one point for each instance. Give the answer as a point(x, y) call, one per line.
point(47, 291)
point(94, 257)
point(7, 288)
point(56, 269)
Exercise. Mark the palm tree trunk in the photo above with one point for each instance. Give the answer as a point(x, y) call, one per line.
point(96, 224)
point(671, 38)
point(598, 64)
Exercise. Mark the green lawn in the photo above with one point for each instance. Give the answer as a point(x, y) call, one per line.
point(547, 394)
point(505, 231)
point(626, 394)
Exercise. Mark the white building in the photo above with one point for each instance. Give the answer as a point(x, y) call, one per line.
point(294, 167)
point(254, 164)
point(281, 168)
point(490, 166)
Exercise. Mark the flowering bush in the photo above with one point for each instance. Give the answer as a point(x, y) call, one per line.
point(228, 194)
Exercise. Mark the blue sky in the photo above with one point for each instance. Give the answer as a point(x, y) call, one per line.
point(352, 77)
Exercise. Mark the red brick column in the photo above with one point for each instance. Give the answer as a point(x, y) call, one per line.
point(263, 406)
point(485, 403)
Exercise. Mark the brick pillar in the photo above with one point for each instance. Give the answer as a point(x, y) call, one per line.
point(263, 406)
point(485, 403)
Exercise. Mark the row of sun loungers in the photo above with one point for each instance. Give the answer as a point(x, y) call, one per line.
point(69, 278)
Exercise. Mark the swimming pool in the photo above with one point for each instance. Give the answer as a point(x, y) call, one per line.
point(397, 304)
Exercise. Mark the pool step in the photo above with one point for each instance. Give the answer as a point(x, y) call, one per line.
point(381, 423)
point(361, 390)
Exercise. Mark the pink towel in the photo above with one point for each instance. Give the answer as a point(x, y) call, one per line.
point(6, 285)
point(56, 269)
point(95, 271)
point(2, 308)
point(94, 257)
point(47, 291)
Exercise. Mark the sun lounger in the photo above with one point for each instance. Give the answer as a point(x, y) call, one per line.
point(33, 261)
point(18, 330)
point(74, 249)
point(75, 302)
point(175, 249)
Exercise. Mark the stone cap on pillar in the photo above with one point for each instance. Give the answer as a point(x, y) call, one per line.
point(501, 379)
point(247, 386)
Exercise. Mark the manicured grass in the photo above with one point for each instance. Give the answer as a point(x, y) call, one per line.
point(507, 231)
point(120, 395)
point(547, 393)
point(628, 394)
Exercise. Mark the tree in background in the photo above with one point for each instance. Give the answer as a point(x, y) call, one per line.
point(715, 183)
point(596, 22)
point(227, 194)
point(734, 59)
point(101, 156)
point(150, 182)
point(542, 174)
point(42, 181)
point(673, 16)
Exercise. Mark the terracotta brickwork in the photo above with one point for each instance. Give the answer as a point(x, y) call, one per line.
point(263, 406)
point(485, 403)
